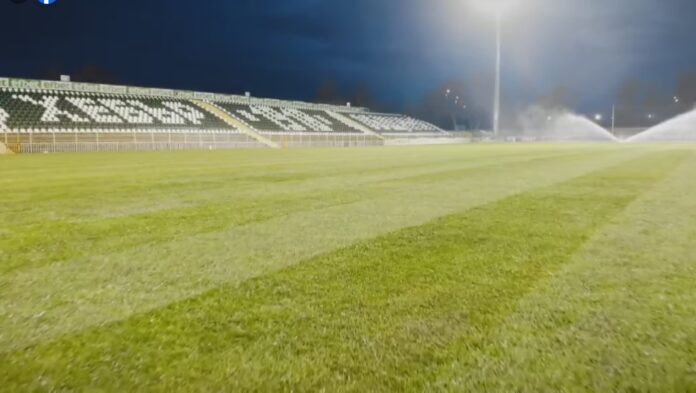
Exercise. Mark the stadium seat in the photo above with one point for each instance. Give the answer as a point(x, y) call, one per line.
point(115, 120)
point(289, 119)
point(387, 123)
point(55, 111)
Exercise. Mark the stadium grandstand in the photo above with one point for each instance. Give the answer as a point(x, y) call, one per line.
point(48, 116)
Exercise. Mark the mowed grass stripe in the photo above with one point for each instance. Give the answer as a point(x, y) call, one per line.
point(43, 241)
point(79, 187)
point(99, 191)
point(380, 315)
point(620, 316)
point(40, 303)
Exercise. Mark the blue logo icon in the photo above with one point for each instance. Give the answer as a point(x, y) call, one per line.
point(46, 2)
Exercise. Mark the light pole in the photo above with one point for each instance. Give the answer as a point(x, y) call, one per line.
point(498, 58)
point(498, 9)
point(613, 119)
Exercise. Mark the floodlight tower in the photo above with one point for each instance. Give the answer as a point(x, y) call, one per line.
point(497, 8)
point(498, 59)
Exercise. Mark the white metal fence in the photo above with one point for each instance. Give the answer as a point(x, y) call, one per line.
point(325, 139)
point(51, 142)
point(57, 142)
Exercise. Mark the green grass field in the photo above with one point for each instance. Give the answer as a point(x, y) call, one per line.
point(451, 268)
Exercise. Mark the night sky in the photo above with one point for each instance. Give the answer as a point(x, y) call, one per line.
point(400, 49)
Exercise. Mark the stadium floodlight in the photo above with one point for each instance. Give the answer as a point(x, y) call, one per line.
point(498, 9)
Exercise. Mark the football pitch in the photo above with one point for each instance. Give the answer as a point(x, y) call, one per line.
point(446, 268)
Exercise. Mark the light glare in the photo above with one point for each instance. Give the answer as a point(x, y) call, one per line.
point(497, 8)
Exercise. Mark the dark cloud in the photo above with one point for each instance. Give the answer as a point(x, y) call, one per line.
point(401, 49)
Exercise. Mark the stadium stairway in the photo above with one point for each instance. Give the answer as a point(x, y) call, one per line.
point(4, 149)
point(354, 124)
point(222, 115)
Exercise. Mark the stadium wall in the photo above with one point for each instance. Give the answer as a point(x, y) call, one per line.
point(28, 143)
point(426, 141)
